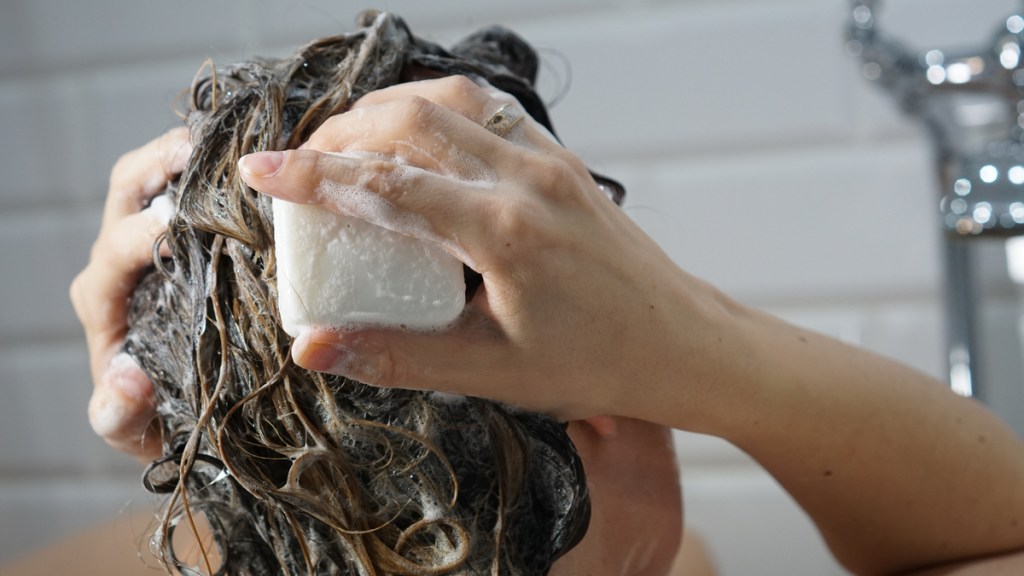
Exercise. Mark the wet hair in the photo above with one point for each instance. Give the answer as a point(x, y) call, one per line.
point(300, 472)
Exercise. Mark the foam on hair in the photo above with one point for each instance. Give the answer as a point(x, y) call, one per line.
point(299, 472)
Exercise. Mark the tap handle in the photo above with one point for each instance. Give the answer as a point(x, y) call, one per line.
point(996, 68)
point(886, 60)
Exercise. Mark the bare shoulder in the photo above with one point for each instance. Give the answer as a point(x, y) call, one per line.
point(112, 549)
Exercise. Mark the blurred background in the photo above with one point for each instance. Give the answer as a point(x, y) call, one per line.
point(750, 144)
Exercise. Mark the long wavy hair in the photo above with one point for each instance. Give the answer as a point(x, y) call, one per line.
point(299, 472)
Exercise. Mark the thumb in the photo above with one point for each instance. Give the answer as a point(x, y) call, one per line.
point(356, 355)
point(449, 361)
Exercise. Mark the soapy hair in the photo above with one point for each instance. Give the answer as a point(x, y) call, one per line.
point(299, 472)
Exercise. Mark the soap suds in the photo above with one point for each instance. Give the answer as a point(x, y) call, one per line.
point(107, 414)
point(125, 375)
point(160, 208)
point(122, 382)
point(361, 202)
point(448, 397)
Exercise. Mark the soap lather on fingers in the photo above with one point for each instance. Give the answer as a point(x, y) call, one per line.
point(374, 265)
point(530, 224)
point(339, 272)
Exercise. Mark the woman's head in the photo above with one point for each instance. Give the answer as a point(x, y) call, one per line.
point(299, 472)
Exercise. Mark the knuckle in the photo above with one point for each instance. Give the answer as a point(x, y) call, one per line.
point(76, 294)
point(383, 179)
point(515, 220)
point(459, 86)
point(386, 368)
point(554, 177)
point(326, 131)
point(417, 113)
point(122, 169)
point(573, 163)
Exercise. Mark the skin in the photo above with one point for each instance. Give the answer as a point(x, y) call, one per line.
point(852, 436)
point(630, 464)
point(121, 407)
point(634, 489)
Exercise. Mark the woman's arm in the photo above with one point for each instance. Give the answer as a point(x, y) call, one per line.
point(897, 472)
point(581, 314)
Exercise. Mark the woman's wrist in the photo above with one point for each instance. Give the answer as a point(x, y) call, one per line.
point(772, 375)
point(703, 361)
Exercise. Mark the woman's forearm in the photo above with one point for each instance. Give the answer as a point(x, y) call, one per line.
point(896, 471)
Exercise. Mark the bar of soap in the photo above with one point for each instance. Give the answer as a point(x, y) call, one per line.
point(337, 271)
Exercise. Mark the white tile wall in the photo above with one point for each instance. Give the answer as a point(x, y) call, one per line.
point(794, 224)
point(26, 107)
point(42, 251)
point(752, 151)
point(61, 35)
point(45, 390)
point(735, 505)
point(297, 21)
point(745, 510)
point(704, 80)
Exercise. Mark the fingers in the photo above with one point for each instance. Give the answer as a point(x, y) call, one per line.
point(445, 361)
point(457, 93)
point(536, 228)
point(121, 409)
point(398, 197)
point(124, 248)
point(386, 190)
point(473, 358)
point(141, 174)
point(475, 102)
point(419, 132)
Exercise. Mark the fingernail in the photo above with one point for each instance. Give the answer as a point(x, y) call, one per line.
point(161, 209)
point(261, 164)
point(108, 413)
point(123, 401)
point(125, 375)
point(320, 356)
point(332, 359)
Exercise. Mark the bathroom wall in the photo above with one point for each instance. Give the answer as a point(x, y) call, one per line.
point(751, 147)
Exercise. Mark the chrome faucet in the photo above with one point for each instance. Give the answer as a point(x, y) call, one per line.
point(972, 103)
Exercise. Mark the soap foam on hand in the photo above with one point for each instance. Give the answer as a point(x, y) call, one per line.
point(338, 271)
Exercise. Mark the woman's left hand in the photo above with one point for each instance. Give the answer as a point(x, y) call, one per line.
point(121, 409)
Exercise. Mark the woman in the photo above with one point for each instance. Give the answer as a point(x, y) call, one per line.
point(580, 315)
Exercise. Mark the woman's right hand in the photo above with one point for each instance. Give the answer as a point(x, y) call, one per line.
point(121, 409)
point(580, 312)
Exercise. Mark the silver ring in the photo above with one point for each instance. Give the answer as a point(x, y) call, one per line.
point(504, 120)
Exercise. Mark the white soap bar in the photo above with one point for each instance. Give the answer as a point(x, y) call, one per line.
point(337, 271)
